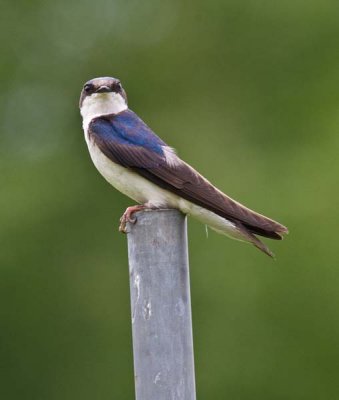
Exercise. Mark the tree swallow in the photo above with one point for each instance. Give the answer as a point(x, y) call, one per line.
point(133, 159)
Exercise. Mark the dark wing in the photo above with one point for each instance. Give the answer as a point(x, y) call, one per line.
point(144, 153)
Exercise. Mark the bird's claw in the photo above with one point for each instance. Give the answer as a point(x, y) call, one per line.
point(123, 222)
point(127, 216)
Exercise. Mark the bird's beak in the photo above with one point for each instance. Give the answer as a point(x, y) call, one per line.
point(103, 89)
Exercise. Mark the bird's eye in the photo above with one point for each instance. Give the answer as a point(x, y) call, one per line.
point(117, 86)
point(88, 87)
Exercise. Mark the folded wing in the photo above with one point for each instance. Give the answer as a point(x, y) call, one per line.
point(148, 155)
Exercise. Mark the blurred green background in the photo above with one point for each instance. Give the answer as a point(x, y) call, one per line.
point(247, 91)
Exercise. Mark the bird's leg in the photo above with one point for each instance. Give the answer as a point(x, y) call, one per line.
point(127, 216)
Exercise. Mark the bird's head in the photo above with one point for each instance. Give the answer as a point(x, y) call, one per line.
point(102, 96)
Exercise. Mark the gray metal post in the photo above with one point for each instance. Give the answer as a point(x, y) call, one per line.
point(161, 306)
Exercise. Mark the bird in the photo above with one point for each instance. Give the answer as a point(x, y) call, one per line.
point(138, 163)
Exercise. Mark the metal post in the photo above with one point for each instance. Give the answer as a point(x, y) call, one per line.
point(161, 306)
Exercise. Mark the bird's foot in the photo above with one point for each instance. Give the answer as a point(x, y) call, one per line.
point(127, 216)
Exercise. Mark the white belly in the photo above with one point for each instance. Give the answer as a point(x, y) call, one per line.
point(145, 192)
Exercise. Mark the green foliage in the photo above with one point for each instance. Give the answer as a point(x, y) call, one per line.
point(247, 91)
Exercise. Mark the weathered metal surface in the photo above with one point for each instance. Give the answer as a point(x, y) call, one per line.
point(161, 306)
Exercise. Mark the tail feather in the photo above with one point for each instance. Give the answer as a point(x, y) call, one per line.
point(261, 246)
point(255, 241)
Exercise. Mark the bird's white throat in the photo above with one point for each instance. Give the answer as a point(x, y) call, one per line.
point(101, 104)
